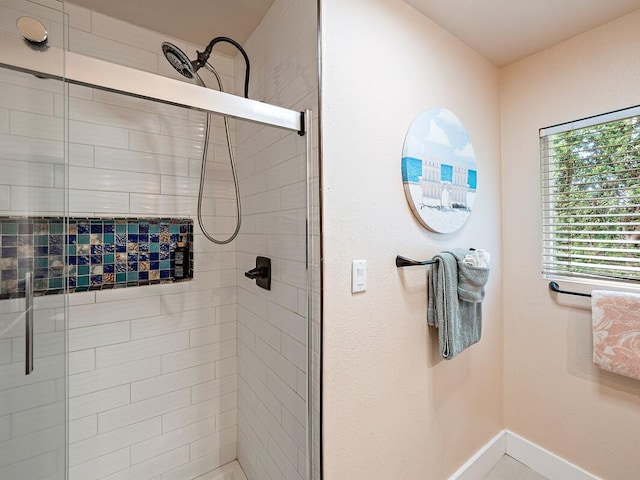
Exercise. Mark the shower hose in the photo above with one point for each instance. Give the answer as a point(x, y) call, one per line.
point(203, 170)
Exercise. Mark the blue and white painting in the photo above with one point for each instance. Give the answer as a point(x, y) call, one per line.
point(439, 170)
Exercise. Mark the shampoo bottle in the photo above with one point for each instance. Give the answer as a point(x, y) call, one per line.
point(181, 260)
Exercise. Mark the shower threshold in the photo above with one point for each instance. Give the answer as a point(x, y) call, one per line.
point(229, 471)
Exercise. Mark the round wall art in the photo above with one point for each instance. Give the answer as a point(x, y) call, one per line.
point(439, 171)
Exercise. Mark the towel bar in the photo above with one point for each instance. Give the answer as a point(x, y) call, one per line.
point(554, 287)
point(407, 262)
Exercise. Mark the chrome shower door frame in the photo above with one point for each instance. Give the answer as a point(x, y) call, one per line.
point(83, 70)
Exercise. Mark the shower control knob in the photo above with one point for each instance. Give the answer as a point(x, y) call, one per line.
point(262, 273)
point(255, 273)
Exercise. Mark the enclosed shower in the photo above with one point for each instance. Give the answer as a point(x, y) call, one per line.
point(135, 202)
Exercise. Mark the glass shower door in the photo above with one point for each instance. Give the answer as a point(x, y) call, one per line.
point(32, 300)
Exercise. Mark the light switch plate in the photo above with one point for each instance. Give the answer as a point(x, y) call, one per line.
point(359, 276)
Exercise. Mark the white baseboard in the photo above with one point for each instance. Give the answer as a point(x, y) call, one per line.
point(483, 460)
point(543, 461)
point(535, 457)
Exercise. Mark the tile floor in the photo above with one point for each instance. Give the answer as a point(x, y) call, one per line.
point(510, 469)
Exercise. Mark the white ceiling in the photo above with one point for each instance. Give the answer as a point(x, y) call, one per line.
point(504, 31)
point(196, 21)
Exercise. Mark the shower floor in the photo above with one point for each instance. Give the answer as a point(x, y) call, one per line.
point(230, 471)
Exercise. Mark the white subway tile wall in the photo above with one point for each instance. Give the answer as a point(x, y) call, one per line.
point(32, 408)
point(166, 381)
point(272, 326)
point(153, 383)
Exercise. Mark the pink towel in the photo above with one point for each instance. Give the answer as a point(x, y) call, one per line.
point(616, 332)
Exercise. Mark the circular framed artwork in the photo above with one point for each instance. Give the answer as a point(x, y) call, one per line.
point(439, 171)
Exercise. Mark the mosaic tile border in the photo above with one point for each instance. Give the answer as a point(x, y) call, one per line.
point(84, 254)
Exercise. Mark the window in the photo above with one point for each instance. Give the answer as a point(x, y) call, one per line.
point(591, 197)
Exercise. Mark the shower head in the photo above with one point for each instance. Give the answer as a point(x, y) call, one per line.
point(187, 68)
point(179, 60)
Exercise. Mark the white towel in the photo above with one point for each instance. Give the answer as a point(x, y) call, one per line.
point(616, 332)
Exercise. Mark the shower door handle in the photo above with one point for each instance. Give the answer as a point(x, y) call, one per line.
point(28, 321)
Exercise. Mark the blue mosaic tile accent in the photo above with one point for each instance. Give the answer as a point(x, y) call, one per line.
point(89, 253)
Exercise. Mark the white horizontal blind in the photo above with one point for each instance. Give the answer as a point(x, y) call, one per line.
point(591, 198)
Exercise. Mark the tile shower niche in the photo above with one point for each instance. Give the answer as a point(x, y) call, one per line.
point(92, 253)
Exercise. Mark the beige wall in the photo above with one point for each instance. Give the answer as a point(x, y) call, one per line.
point(392, 408)
point(554, 396)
